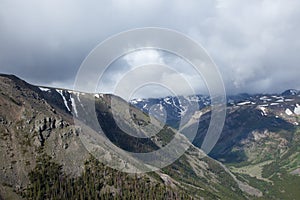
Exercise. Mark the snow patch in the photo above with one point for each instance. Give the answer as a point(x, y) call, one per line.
point(264, 105)
point(244, 103)
point(289, 100)
point(78, 97)
point(74, 106)
point(161, 108)
point(166, 101)
point(288, 112)
point(274, 104)
point(133, 101)
point(99, 95)
point(192, 98)
point(297, 109)
point(64, 98)
point(44, 89)
point(265, 98)
point(276, 97)
point(296, 123)
point(264, 110)
point(183, 110)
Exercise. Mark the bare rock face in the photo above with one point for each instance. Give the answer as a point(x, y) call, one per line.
point(29, 125)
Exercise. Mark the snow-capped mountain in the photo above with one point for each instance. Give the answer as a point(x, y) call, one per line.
point(172, 109)
point(291, 92)
point(175, 109)
point(41, 147)
point(260, 138)
point(259, 143)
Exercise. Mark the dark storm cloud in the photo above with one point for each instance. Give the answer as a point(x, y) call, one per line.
point(254, 43)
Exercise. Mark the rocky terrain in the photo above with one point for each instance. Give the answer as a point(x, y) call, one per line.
point(256, 157)
point(43, 156)
point(260, 139)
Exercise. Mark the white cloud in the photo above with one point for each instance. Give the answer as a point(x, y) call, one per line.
point(171, 74)
point(143, 57)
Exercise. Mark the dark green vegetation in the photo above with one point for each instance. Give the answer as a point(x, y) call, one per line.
point(279, 178)
point(263, 150)
point(48, 181)
point(201, 184)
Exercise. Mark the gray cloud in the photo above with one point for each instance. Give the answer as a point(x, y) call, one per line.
point(254, 43)
point(172, 71)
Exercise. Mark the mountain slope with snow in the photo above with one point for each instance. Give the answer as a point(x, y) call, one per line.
point(39, 132)
point(260, 140)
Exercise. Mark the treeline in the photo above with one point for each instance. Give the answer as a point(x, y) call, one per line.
point(48, 181)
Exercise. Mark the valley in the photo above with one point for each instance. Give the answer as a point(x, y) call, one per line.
point(260, 139)
point(45, 155)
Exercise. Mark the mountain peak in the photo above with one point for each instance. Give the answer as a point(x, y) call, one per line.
point(290, 92)
point(10, 76)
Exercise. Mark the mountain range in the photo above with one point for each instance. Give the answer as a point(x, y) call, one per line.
point(260, 139)
point(44, 154)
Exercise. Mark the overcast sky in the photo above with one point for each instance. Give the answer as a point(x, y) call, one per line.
point(254, 43)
